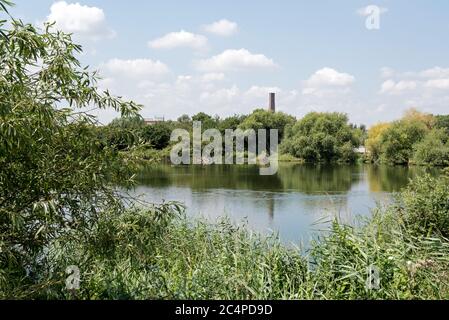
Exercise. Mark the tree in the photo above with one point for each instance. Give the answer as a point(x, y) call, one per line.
point(158, 134)
point(56, 175)
point(413, 115)
point(264, 119)
point(433, 149)
point(207, 122)
point(442, 122)
point(397, 141)
point(124, 133)
point(232, 122)
point(322, 137)
point(373, 142)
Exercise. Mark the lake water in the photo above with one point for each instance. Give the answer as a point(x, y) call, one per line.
point(294, 203)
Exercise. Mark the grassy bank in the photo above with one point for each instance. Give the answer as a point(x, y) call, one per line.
point(158, 253)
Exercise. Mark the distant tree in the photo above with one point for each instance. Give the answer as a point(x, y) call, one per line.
point(158, 134)
point(321, 137)
point(124, 132)
point(442, 122)
point(373, 141)
point(413, 115)
point(184, 119)
point(433, 149)
point(397, 141)
point(264, 119)
point(207, 121)
point(232, 122)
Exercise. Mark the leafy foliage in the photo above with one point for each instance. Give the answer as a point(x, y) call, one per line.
point(418, 138)
point(425, 205)
point(321, 137)
point(56, 175)
point(398, 140)
point(433, 149)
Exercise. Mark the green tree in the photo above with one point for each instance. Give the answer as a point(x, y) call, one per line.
point(124, 133)
point(207, 121)
point(442, 122)
point(322, 137)
point(433, 149)
point(158, 134)
point(397, 141)
point(264, 119)
point(56, 176)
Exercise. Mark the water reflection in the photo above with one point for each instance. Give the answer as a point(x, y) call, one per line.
point(289, 202)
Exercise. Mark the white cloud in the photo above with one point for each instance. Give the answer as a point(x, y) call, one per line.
point(435, 72)
point(137, 68)
point(392, 87)
point(368, 10)
point(261, 92)
point(438, 83)
point(232, 60)
point(327, 80)
point(330, 77)
point(223, 28)
point(87, 22)
point(178, 40)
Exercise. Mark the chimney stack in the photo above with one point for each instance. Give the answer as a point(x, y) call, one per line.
point(272, 105)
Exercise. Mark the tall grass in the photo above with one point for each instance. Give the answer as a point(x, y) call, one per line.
point(158, 253)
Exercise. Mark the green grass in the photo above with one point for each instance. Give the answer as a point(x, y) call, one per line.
point(158, 253)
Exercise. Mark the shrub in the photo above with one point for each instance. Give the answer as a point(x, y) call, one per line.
point(322, 137)
point(433, 149)
point(398, 140)
point(425, 205)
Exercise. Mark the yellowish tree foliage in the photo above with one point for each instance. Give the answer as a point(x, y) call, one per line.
point(372, 143)
point(414, 115)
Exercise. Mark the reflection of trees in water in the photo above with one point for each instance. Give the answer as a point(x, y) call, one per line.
point(291, 177)
point(209, 177)
point(312, 179)
point(393, 178)
point(308, 179)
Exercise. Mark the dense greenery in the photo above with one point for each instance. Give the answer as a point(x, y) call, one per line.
point(322, 137)
point(56, 175)
point(416, 138)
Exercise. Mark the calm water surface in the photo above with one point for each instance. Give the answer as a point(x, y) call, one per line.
point(294, 202)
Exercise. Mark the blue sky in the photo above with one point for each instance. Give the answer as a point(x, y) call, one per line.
point(223, 57)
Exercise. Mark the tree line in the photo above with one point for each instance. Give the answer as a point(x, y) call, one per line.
point(416, 138)
point(318, 137)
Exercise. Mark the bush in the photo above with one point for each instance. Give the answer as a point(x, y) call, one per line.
point(397, 141)
point(425, 205)
point(433, 149)
point(56, 175)
point(158, 134)
point(322, 137)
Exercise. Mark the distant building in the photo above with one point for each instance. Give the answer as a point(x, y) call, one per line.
point(361, 150)
point(151, 121)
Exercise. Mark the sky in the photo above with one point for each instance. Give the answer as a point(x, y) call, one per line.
point(370, 59)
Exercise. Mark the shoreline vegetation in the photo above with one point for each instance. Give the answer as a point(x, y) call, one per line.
point(60, 207)
point(415, 139)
